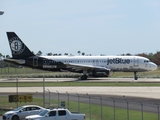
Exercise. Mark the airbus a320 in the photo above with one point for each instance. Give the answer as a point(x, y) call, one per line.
point(95, 66)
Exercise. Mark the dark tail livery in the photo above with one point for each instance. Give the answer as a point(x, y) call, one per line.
point(18, 48)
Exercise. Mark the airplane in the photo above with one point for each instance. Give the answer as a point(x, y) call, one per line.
point(95, 66)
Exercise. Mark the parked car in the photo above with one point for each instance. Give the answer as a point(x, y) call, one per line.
point(22, 112)
point(56, 114)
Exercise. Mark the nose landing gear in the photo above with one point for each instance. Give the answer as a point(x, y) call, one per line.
point(135, 76)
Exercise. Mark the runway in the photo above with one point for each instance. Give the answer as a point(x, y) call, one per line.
point(145, 92)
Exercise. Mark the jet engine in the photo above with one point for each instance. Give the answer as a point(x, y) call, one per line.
point(100, 73)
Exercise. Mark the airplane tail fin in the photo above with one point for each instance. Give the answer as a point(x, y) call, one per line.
point(18, 48)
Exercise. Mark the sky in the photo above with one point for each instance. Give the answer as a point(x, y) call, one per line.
point(110, 27)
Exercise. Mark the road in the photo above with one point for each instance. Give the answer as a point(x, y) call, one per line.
point(147, 95)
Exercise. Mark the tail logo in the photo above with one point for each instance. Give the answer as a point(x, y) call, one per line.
point(16, 45)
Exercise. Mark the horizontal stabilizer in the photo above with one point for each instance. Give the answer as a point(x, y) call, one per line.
point(19, 61)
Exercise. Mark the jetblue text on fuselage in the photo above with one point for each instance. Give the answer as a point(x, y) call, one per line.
point(118, 61)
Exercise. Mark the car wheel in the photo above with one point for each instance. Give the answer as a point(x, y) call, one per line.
point(15, 117)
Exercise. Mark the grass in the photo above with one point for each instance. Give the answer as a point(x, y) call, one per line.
point(94, 112)
point(108, 112)
point(58, 84)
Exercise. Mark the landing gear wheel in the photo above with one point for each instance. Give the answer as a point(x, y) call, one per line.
point(15, 118)
point(135, 76)
point(84, 77)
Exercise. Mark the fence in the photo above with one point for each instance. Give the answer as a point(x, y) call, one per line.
point(98, 107)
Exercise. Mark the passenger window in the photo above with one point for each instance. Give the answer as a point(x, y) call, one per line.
point(24, 109)
point(35, 108)
point(27, 109)
point(52, 113)
point(61, 112)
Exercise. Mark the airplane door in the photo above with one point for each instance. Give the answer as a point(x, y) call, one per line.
point(35, 61)
point(97, 62)
point(93, 62)
point(136, 62)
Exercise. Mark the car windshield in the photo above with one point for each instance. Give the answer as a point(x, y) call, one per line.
point(17, 109)
point(43, 112)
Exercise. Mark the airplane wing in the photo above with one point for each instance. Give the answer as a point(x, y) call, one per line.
point(78, 67)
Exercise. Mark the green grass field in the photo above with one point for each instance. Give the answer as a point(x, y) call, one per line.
point(94, 112)
point(107, 112)
point(56, 84)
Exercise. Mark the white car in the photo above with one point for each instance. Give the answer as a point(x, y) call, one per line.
point(56, 114)
point(22, 112)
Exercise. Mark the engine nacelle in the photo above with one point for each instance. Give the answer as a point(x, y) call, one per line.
point(100, 73)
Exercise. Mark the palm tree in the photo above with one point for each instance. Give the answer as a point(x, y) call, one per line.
point(79, 52)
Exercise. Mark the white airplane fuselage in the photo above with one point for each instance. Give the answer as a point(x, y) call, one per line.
point(96, 66)
point(114, 63)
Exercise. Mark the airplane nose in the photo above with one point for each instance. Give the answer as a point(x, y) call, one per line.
point(154, 66)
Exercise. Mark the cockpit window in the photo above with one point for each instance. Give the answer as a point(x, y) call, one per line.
point(146, 61)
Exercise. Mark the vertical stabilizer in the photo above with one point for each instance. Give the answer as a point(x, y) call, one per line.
point(18, 48)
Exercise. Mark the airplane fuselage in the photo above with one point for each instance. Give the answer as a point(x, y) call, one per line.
point(96, 66)
point(114, 63)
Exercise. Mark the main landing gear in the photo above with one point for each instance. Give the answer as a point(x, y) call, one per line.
point(135, 76)
point(84, 76)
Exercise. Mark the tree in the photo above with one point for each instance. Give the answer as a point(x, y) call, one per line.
point(1, 56)
point(49, 54)
point(39, 53)
point(128, 54)
point(65, 53)
point(55, 54)
point(83, 53)
point(79, 52)
point(7, 56)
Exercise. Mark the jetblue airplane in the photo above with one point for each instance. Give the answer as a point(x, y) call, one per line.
point(95, 66)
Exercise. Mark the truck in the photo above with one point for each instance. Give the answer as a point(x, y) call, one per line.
point(56, 114)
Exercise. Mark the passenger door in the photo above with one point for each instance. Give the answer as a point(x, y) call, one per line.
point(34, 110)
point(51, 116)
point(24, 112)
point(62, 115)
point(35, 61)
point(136, 62)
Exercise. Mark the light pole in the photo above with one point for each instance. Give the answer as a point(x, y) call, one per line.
point(1, 12)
